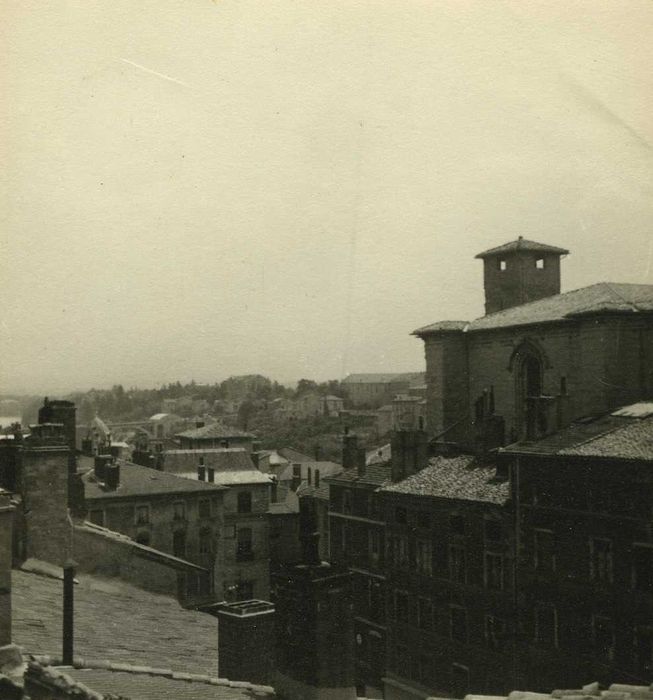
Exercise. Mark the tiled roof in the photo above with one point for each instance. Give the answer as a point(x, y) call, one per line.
point(214, 431)
point(310, 491)
point(113, 621)
point(375, 475)
point(608, 436)
point(146, 683)
point(459, 478)
point(136, 480)
point(293, 455)
point(522, 244)
point(602, 297)
point(592, 691)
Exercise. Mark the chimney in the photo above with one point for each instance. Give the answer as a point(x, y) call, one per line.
point(308, 476)
point(318, 452)
point(211, 473)
point(112, 476)
point(409, 453)
point(317, 478)
point(349, 449)
point(99, 468)
point(296, 476)
point(201, 473)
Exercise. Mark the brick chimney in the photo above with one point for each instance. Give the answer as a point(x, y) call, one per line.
point(353, 456)
point(112, 475)
point(409, 453)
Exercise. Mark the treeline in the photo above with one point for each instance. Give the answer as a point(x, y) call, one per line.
point(120, 404)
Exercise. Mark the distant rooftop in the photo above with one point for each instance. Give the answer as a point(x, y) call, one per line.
point(136, 480)
point(522, 244)
point(458, 478)
point(375, 475)
point(383, 378)
point(600, 298)
point(214, 431)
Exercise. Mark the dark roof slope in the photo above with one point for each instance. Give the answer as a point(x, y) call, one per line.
point(458, 478)
point(214, 431)
point(610, 436)
point(522, 244)
point(136, 480)
point(375, 475)
point(603, 297)
point(113, 621)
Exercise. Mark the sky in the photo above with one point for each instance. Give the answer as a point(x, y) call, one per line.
point(200, 188)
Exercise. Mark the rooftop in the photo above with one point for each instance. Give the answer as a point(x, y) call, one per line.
point(623, 434)
point(214, 431)
point(293, 455)
point(230, 477)
point(522, 244)
point(603, 297)
point(377, 475)
point(222, 459)
point(146, 683)
point(113, 621)
point(459, 478)
point(136, 480)
point(617, 691)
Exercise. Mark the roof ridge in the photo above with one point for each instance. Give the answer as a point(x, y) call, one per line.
point(102, 665)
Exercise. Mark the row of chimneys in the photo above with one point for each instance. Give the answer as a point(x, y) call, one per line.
point(107, 471)
point(410, 453)
point(312, 478)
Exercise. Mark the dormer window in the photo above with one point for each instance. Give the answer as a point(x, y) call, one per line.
point(503, 265)
point(539, 263)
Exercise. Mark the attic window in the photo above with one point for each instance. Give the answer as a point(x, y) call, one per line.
point(539, 263)
point(503, 265)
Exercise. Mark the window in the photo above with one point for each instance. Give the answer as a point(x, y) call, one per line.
point(546, 625)
point(401, 516)
point(204, 508)
point(97, 517)
point(201, 461)
point(457, 524)
point(458, 623)
point(373, 545)
point(401, 606)
point(601, 559)
point(423, 556)
point(503, 265)
point(179, 544)
point(539, 263)
point(544, 550)
point(179, 512)
point(459, 681)
point(493, 530)
point(205, 541)
point(143, 538)
point(643, 568)
point(644, 648)
point(346, 502)
point(425, 613)
point(457, 563)
point(495, 631)
point(244, 502)
point(493, 570)
point(603, 634)
point(142, 515)
point(244, 544)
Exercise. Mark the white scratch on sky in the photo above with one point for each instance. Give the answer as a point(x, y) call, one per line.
point(153, 72)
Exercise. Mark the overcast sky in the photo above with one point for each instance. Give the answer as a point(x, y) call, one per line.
point(202, 188)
